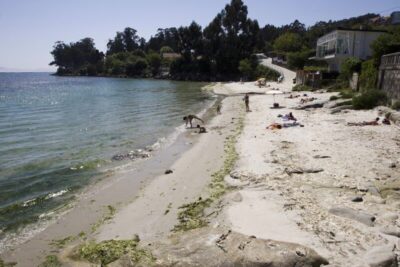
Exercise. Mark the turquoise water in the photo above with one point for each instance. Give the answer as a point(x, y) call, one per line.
point(57, 134)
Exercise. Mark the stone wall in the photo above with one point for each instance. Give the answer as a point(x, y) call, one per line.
point(389, 75)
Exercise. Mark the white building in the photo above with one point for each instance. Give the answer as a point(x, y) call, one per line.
point(340, 44)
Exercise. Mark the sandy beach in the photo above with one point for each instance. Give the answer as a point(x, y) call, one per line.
point(326, 186)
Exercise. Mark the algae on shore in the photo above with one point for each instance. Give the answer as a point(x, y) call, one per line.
point(109, 251)
point(192, 215)
point(108, 216)
point(50, 261)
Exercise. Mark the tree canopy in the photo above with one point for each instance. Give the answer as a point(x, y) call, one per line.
point(221, 51)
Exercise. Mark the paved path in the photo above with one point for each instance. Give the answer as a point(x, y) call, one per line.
point(287, 83)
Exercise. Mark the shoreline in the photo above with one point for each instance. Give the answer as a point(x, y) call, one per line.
point(320, 193)
point(109, 168)
point(94, 208)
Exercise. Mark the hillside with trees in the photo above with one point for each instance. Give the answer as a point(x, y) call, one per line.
point(223, 50)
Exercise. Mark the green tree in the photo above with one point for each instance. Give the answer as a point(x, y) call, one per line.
point(190, 41)
point(79, 58)
point(126, 41)
point(349, 66)
point(245, 68)
point(154, 61)
point(166, 49)
point(231, 37)
point(385, 44)
point(288, 42)
point(297, 60)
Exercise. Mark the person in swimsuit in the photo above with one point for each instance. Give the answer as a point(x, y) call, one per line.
point(189, 118)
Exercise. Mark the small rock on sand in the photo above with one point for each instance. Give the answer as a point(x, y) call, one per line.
point(382, 256)
point(357, 199)
point(356, 215)
point(390, 230)
point(237, 197)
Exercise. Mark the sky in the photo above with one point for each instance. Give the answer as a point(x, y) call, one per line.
point(29, 28)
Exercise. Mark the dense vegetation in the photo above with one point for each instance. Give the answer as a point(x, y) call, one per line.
point(223, 50)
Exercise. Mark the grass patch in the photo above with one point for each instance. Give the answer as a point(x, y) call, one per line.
point(50, 261)
point(369, 99)
point(345, 103)
point(192, 215)
point(302, 87)
point(108, 251)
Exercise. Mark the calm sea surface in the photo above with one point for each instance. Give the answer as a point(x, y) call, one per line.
point(58, 133)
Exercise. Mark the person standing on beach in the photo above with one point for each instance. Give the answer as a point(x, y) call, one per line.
point(246, 102)
point(189, 119)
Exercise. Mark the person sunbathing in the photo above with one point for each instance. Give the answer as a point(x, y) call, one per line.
point(189, 119)
point(364, 123)
point(274, 126)
point(289, 117)
point(306, 100)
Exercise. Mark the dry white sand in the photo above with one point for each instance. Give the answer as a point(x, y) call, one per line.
point(295, 208)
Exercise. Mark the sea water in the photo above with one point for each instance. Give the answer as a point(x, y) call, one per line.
point(57, 134)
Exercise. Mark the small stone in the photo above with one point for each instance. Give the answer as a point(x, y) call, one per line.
point(389, 230)
point(357, 199)
point(168, 172)
point(382, 256)
point(392, 165)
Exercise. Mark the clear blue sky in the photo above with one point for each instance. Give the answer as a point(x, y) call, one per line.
point(29, 28)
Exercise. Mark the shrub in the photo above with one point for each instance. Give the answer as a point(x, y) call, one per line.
point(369, 74)
point(346, 93)
point(349, 66)
point(267, 73)
point(333, 98)
point(369, 99)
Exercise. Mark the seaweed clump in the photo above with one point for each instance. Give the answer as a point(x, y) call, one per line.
point(192, 215)
point(109, 251)
point(50, 261)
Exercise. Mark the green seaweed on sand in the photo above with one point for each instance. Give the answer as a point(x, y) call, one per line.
point(191, 216)
point(6, 264)
point(108, 216)
point(108, 251)
point(50, 261)
point(60, 243)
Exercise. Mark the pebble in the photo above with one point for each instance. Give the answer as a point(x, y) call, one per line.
point(357, 199)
